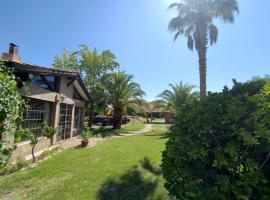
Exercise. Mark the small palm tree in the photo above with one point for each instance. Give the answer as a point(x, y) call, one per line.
point(179, 95)
point(122, 92)
point(195, 20)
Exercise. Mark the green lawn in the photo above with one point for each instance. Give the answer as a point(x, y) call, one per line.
point(127, 128)
point(124, 168)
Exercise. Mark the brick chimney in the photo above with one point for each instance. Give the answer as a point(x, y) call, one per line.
point(13, 54)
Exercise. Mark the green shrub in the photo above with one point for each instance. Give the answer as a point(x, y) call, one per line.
point(219, 147)
point(48, 132)
point(9, 169)
point(48, 152)
point(21, 163)
point(11, 105)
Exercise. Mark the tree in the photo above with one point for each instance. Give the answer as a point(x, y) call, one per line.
point(121, 92)
point(68, 61)
point(178, 96)
point(11, 105)
point(195, 20)
point(93, 66)
point(33, 142)
point(48, 132)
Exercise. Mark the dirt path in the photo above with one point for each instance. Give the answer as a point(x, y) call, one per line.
point(75, 142)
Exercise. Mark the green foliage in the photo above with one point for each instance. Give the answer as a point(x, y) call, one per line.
point(93, 66)
point(122, 92)
point(195, 21)
point(33, 140)
point(219, 147)
point(68, 61)
point(48, 131)
point(49, 152)
point(11, 105)
point(178, 96)
point(9, 169)
point(86, 134)
point(21, 163)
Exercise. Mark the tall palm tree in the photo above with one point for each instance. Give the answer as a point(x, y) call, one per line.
point(122, 92)
point(178, 95)
point(195, 20)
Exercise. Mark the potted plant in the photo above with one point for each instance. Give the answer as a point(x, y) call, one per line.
point(85, 135)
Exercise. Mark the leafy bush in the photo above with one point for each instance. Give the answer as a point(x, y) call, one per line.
point(11, 104)
point(48, 152)
point(219, 147)
point(86, 134)
point(9, 169)
point(21, 163)
point(48, 132)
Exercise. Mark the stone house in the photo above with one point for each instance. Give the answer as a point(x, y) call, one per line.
point(56, 97)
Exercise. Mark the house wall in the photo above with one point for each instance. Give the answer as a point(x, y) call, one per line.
point(24, 149)
point(65, 95)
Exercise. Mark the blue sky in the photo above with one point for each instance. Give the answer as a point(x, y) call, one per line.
point(136, 31)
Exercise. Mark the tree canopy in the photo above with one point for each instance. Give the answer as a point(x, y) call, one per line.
point(178, 96)
point(195, 21)
point(92, 66)
point(121, 92)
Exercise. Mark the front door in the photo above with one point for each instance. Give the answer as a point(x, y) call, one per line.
point(65, 117)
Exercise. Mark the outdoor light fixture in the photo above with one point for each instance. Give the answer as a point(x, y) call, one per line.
point(62, 97)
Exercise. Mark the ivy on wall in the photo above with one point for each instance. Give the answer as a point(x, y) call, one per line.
point(11, 105)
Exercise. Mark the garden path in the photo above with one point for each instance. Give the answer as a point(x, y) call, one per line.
point(76, 141)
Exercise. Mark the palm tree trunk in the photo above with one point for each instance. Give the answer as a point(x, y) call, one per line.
point(117, 117)
point(202, 50)
point(202, 70)
point(90, 120)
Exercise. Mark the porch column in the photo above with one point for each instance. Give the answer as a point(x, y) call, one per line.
point(72, 120)
point(55, 116)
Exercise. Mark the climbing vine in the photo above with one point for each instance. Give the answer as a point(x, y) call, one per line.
point(11, 105)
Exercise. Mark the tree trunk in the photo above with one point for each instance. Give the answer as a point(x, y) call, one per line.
point(51, 141)
point(33, 153)
point(117, 117)
point(201, 42)
point(202, 70)
point(90, 119)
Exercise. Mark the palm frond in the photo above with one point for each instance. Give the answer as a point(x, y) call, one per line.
point(190, 42)
point(213, 34)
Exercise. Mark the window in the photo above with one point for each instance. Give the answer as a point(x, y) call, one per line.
point(38, 113)
point(78, 118)
point(65, 118)
point(44, 82)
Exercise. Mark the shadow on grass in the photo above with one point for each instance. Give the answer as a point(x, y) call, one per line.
point(146, 164)
point(154, 122)
point(104, 132)
point(132, 185)
point(158, 135)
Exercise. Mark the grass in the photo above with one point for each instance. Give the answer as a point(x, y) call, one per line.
point(127, 128)
point(124, 168)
